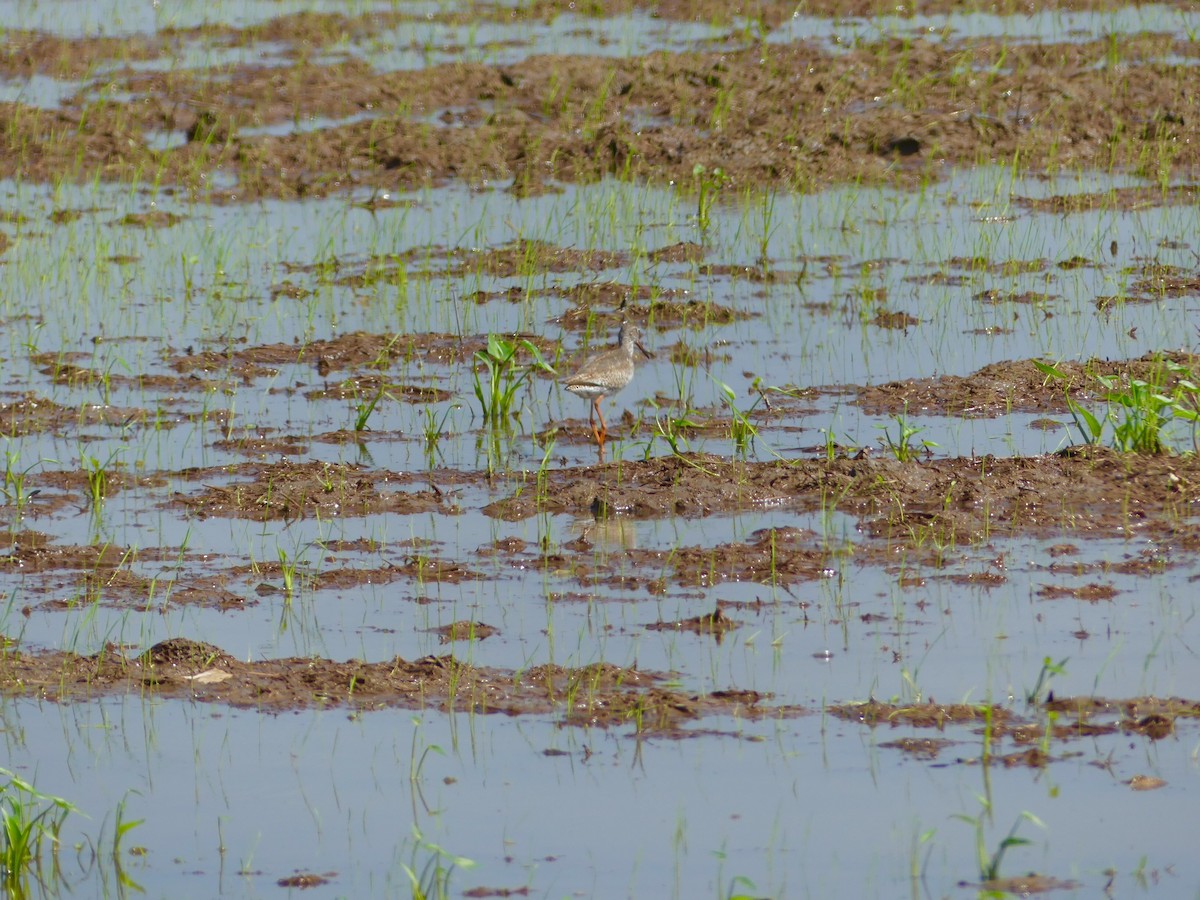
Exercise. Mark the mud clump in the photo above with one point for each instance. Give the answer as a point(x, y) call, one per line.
point(1020, 386)
point(715, 623)
point(784, 113)
point(288, 490)
point(1092, 490)
point(464, 631)
point(599, 695)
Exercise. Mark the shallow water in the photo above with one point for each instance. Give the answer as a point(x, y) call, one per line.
point(233, 800)
point(207, 281)
point(130, 17)
point(323, 792)
point(1040, 25)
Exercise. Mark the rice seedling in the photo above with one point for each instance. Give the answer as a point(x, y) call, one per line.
point(917, 866)
point(364, 407)
point(740, 888)
point(902, 446)
point(122, 827)
point(432, 882)
point(1045, 676)
point(1048, 732)
point(721, 108)
point(1138, 411)
point(595, 111)
point(768, 223)
point(30, 823)
point(1146, 410)
point(435, 429)
point(188, 265)
point(416, 764)
point(988, 864)
point(287, 568)
point(498, 375)
point(14, 481)
point(543, 472)
point(97, 474)
point(708, 185)
point(670, 428)
point(742, 431)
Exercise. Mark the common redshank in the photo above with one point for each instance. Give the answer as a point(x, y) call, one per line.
point(606, 373)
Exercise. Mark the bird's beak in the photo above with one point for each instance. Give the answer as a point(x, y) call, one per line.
point(646, 353)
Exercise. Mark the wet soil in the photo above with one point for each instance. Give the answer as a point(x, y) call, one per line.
point(1020, 386)
point(900, 110)
point(287, 490)
point(599, 695)
point(1086, 491)
point(932, 511)
point(595, 696)
point(996, 389)
point(464, 631)
point(797, 115)
point(715, 623)
point(1075, 718)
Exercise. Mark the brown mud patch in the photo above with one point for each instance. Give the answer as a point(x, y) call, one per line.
point(1026, 298)
point(598, 695)
point(303, 880)
point(1125, 199)
point(926, 749)
point(292, 490)
point(661, 312)
point(1081, 493)
point(517, 258)
point(420, 568)
point(261, 447)
point(1155, 281)
point(1084, 491)
point(32, 551)
point(298, 35)
point(766, 114)
point(1019, 386)
point(464, 631)
point(34, 414)
point(646, 305)
point(1024, 885)
point(369, 387)
point(775, 556)
point(715, 623)
point(71, 575)
point(526, 256)
point(985, 580)
point(356, 349)
point(663, 418)
point(76, 376)
point(899, 321)
point(923, 715)
point(1090, 593)
point(1074, 718)
point(1154, 716)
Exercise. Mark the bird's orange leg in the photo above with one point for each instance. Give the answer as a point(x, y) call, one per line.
point(602, 432)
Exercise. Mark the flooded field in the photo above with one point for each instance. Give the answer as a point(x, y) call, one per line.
point(320, 575)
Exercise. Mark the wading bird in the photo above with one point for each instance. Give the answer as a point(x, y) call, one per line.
point(606, 373)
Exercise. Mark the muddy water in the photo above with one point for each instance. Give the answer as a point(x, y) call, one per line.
point(747, 649)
